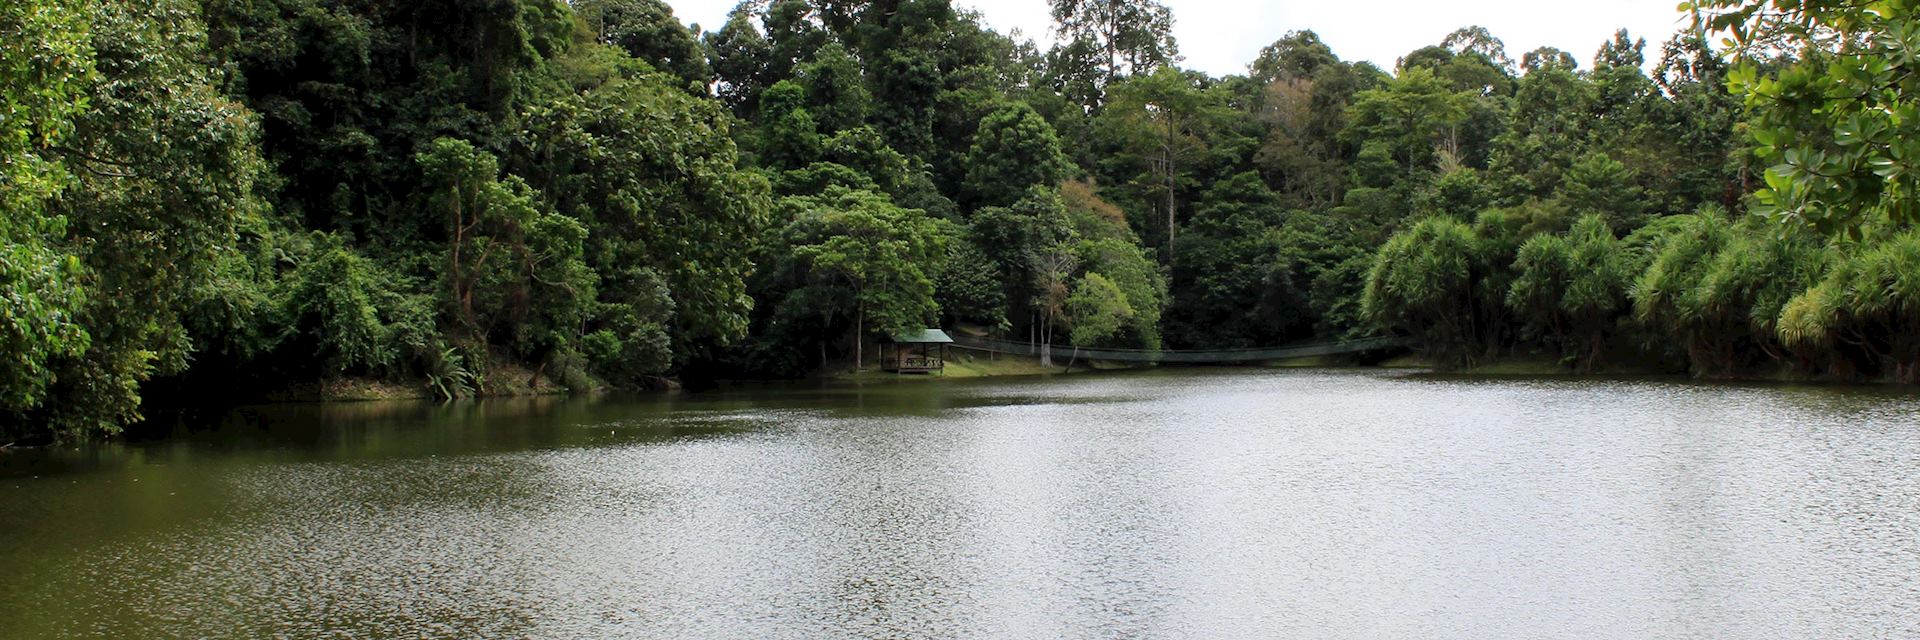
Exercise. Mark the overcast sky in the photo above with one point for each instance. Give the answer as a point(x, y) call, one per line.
point(1222, 36)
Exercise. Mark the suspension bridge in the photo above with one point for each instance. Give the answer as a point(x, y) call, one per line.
point(1184, 356)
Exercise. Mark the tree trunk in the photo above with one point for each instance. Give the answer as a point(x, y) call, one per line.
point(1170, 201)
point(1171, 254)
point(859, 333)
point(463, 298)
point(1113, 53)
point(1046, 341)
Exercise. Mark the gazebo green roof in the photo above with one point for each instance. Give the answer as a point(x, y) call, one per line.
point(927, 336)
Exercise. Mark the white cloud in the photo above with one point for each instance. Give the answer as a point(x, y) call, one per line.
point(1221, 37)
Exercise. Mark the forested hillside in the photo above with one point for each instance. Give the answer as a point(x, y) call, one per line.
point(227, 197)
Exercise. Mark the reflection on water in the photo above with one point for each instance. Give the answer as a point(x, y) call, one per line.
point(1156, 504)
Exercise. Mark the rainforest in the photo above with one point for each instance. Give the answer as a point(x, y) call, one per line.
point(232, 198)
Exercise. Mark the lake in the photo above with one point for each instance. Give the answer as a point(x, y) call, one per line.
point(1173, 503)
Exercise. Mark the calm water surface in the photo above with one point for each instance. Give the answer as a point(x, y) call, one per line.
point(1166, 504)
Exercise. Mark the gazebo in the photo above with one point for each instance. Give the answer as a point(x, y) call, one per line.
point(923, 352)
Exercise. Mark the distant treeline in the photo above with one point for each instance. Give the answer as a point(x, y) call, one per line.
point(224, 197)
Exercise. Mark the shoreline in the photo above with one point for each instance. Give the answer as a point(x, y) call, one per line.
point(520, 384)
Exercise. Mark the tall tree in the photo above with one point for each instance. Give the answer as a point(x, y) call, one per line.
point(512, 266)
point(1134, 36)
point(1052, 270)
point(1547, 130)
point(1072, 70)
point(1410, 120)
point(794, 32)
point(655, 175)
point(1295, 56)
point(1159, 116)
point(882, 255)
point(1017, 237)
point(1302, 155)
point(1477, 40)
point(1545, 58)
point(741, 58)
point(1233, 288)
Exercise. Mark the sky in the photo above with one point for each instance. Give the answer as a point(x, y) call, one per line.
point(1221, 36)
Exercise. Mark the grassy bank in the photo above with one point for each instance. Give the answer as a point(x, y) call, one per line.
point(973, 364)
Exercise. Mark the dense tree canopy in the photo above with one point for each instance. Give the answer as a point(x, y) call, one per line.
point(129, 200)
point(238, 197)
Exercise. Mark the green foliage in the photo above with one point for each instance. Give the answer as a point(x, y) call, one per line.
point(1461, 193)
point(1665, 297)
point(970, 287)
point(1017, 237)
point(1861, 316)
point(1098, 309)
point(1546, 129)
point(39, 324)
point(1134, 36)
point(1599, 185)
point(1408, 120)
point(1015, 149)
point(647, 30)
point(1836, 123)
point(514, 269)
point(1296, 55)
point(740, 56)
point(1756, 274)
point(1132, 272)
point(348, 93)
point(863, 149)
point(789, 137)
point(1547, 59)
point(653, 176)
point(906, 86)
point(1429, 281)
point(333, 305)
point(1305, 111)
point(816, 178)
point(287, 190)
point(1572, 288)
point(881, 254)
point(793, 33)
point(449, 377)
point(835, 93)
point(133, 172)
point(42, 89)
point(1477, 41)
point(1161, 122)
point(1235, 287)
